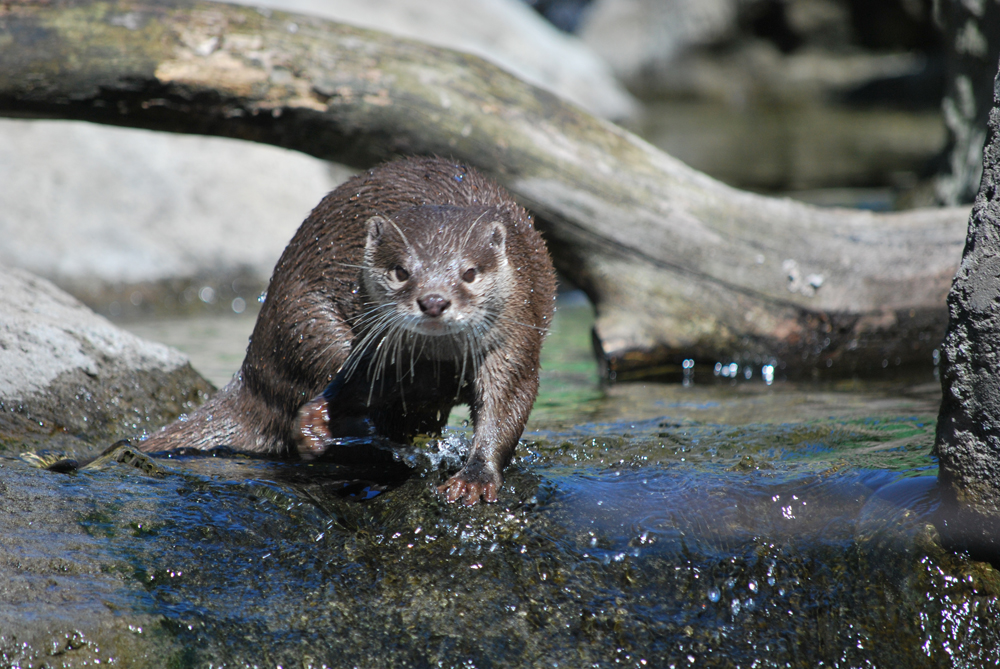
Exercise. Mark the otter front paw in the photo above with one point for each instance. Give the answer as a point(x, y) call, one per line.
point(313, 428)
point(473, 481)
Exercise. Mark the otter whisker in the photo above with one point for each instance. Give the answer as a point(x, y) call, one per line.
point(374, 331)
point(377, 363)
point(338, 343)
point(508, 319)
point(378, 353)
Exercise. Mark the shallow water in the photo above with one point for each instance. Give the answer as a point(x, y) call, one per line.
point(718, 524)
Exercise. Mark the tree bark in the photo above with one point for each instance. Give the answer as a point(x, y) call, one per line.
point(968, 430)
point(678, 265)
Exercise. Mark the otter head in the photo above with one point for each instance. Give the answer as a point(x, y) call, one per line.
point(437, 270)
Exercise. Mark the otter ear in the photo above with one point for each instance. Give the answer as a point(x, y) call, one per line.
point(498, 237)
point(376, 227)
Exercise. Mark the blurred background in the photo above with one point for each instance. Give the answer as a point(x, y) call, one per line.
point(878, 104)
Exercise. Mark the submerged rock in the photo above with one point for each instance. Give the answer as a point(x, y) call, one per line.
point(69, 378)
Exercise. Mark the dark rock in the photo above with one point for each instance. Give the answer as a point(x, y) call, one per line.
point(968, 433)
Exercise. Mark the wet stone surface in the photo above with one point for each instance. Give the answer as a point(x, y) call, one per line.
point(719, 524)
point(802, 544)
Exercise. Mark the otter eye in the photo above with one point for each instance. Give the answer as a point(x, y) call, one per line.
point(400, 273)
point(469, 275)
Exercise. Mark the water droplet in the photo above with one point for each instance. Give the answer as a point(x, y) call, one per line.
point(239, 305)
point(262, 297)
point(714, 594)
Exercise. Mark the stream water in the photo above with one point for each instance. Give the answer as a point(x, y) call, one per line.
point(721, 522)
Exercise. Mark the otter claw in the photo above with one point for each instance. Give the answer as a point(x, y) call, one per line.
point(313, 428)
point(458, 488)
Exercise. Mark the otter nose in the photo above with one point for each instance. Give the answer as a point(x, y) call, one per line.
point(433, 305)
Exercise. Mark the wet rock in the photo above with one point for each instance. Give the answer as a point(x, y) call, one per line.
point(968, 436)
point(70, 379)
point(631, 557)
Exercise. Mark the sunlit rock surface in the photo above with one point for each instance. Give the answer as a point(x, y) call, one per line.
point(69, 377)
point(125, 219)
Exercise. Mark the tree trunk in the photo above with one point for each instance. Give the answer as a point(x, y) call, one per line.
point(678, 265)
point(968, 430)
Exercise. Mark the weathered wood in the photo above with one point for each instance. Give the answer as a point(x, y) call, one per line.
point(677, 264)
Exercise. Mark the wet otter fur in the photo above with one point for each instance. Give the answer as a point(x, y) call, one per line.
point(413, 287)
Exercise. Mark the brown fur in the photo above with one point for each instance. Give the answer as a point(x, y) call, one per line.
point(313, 315)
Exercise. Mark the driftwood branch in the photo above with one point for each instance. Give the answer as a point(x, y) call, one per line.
point(677, 264)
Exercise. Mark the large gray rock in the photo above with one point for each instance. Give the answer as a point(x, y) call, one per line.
point(69, 377)
point(93, 207)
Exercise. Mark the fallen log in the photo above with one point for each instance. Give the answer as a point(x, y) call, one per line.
point(678, 265)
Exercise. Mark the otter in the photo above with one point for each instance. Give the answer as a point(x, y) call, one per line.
point(413, 287)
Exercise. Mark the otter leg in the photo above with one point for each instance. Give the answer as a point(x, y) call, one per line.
point(505, 390)
point(312, 432)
